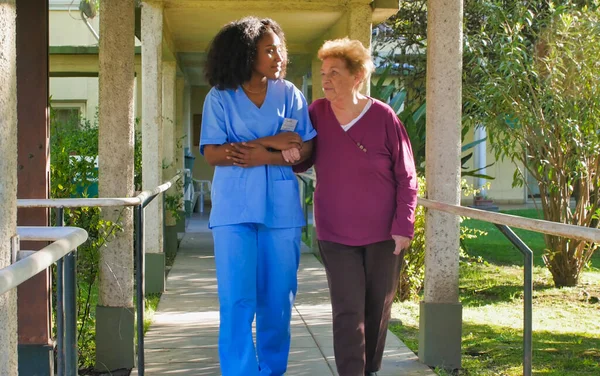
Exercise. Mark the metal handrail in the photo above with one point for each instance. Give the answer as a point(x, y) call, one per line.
point(61, 251)
point(139, 202)
point(503, 221)
point(65, 239)
point(537, 225)
point(140, 199)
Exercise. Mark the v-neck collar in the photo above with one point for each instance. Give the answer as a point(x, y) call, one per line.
point(337, 122)
point(252, 104)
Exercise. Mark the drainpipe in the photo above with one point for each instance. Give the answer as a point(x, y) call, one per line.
point(88, 10)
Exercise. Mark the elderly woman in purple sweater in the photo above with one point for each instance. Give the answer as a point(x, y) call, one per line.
point(365, 199)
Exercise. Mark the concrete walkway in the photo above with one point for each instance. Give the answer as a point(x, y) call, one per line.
point(182, 339)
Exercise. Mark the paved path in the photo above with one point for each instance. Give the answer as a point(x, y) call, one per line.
point(182, 339)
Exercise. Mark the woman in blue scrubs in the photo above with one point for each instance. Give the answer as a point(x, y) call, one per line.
point(255, 126)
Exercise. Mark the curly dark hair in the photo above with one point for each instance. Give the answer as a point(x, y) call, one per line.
point(232, 52)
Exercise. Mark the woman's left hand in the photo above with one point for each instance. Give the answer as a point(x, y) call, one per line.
point(248, 154)
point(401, 243)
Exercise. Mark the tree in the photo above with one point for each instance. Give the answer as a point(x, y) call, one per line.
point(538, 95)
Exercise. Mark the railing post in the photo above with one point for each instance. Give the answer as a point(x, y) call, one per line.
point(139, 279)
point(305, 184)
point(70, 293)
point(60, 301)
point(527, 296)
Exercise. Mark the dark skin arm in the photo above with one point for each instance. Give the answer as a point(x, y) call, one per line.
point(254, 154)
point(217, 155)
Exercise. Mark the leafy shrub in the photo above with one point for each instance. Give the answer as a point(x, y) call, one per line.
point(74, 173)
point(412, 272)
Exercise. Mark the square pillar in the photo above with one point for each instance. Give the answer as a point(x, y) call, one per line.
point(115, 342)
point(152, 140)
point(180, 140)
point(187, 117)
point(8, 183)
point(317, 84)
point(169, 70)
point(169, 168)
point(441, 311)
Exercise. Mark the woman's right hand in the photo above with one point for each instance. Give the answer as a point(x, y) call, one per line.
point(283, 141)
point(291, 155)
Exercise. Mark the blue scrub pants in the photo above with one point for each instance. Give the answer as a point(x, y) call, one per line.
point(256, 274)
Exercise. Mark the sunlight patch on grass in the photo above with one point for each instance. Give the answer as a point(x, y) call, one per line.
point(566, 323)
point(152, 301)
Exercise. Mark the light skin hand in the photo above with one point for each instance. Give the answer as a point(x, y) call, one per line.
point(291, 155)
point(401, 243)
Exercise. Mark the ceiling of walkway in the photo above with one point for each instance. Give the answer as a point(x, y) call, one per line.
point(193, 23)
point(193, 33)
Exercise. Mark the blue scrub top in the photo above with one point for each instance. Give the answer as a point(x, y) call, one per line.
point(264, 194)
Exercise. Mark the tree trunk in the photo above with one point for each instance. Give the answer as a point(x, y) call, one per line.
point(564, 266)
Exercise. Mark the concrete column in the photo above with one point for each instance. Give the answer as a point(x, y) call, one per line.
point(441, 312)
point(169, 118)
point(187, 117)
point(180, 131)
point(180, 139)
point(360, 18)
point(169, 129)
point(138, 96)
point(115, 344)
point(8, 183)
point(305, 85)
point(152, 139)
point(169, 168)
point(317, 84)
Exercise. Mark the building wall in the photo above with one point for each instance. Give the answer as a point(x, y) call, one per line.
point(67, 29)
point(75, 91)
point(500, 189)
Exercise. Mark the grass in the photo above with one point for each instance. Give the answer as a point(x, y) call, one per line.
point(87, 347)
point(566, 322)
point(495, 248)
point(152, 301)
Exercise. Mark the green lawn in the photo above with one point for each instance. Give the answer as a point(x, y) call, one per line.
point(566, 322)
point(495, 248)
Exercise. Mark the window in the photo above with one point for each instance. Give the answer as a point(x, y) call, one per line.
point(65, 112)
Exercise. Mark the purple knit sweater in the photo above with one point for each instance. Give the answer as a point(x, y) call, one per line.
point(366, 181)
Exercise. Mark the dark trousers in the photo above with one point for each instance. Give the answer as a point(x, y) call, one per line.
point(362, 284)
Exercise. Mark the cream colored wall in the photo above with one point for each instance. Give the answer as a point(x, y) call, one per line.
point(85, 89)
point(76, 89)
point(501, 189)
point(67, 29)
point(202, 170)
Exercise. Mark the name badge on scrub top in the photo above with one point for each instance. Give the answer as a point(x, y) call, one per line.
point(289, 125)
